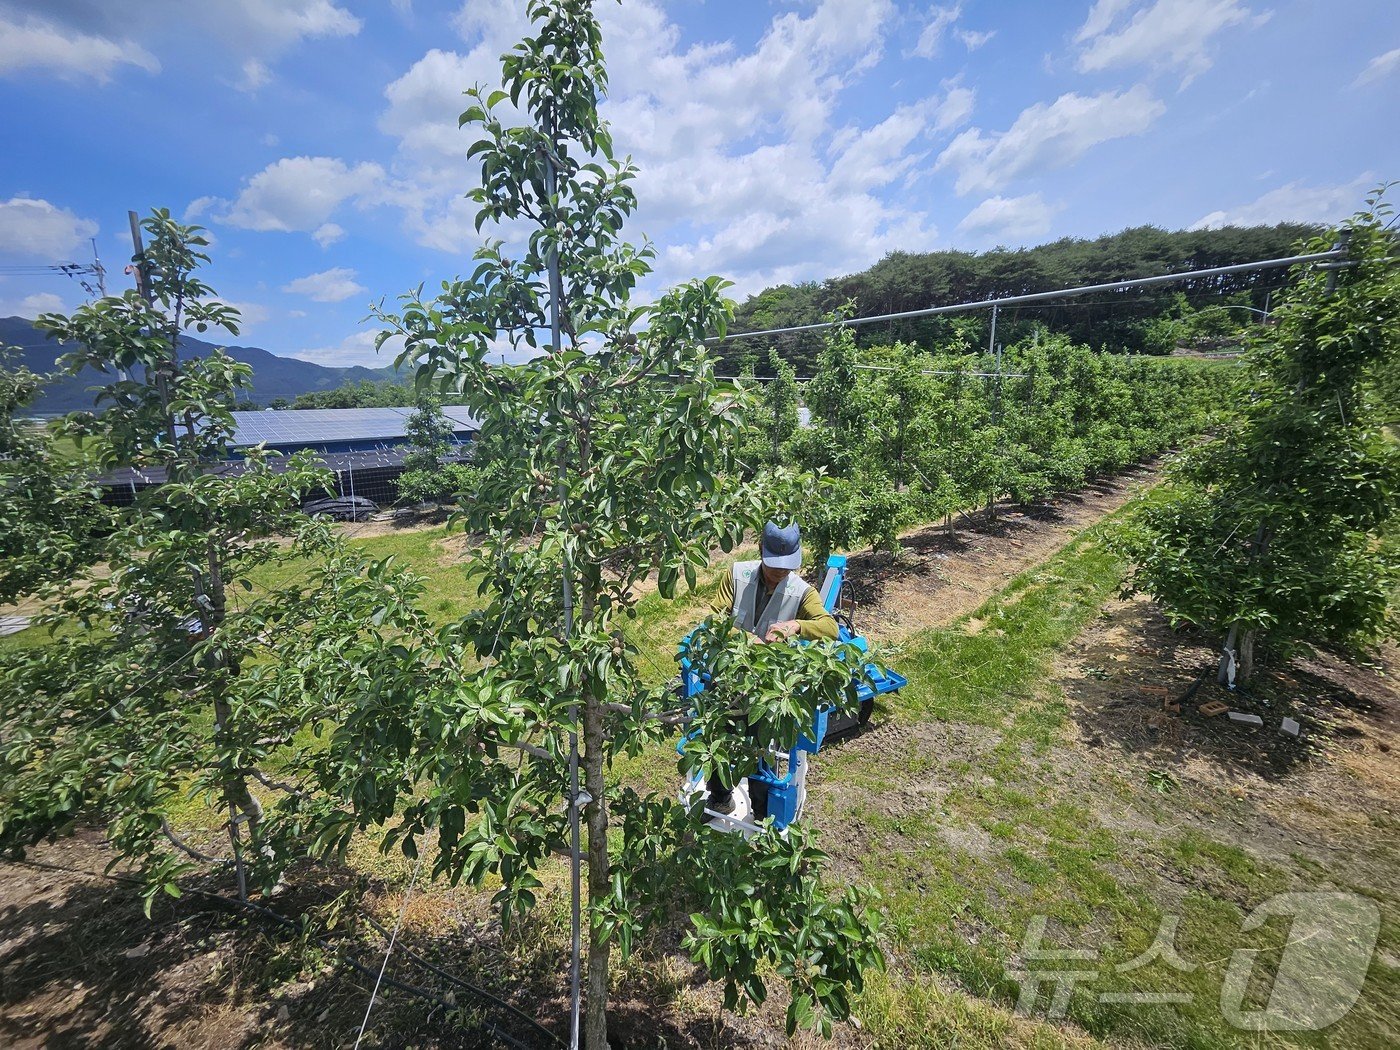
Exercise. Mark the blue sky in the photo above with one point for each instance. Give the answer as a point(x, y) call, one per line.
point(783, 141)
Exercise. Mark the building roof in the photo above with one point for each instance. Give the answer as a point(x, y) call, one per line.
point(314, 426)
point(393, 456)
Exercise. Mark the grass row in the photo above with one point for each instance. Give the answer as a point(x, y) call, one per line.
point(975, 824)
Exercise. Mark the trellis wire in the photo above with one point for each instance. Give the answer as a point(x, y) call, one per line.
point(393, 939)
point(1338, 253)
point(345, 957)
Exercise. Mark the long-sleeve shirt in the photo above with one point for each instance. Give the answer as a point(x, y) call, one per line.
point(814, 623)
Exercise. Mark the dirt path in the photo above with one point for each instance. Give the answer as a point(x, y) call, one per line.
point(944, 573)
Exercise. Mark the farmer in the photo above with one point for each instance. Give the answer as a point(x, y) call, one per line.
point(768, 599)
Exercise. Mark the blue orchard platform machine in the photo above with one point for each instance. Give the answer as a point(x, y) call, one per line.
point(778, 789)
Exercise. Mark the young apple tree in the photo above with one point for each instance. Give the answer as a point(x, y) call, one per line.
point(174, 672)
point(49, 511)
point(1270, 532)
point(615, 464)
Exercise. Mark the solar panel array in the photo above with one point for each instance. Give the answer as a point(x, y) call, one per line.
point(315, 426)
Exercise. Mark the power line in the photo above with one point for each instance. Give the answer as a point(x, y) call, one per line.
point(1036, 297)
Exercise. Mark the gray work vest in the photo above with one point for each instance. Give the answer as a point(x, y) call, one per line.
point(782, 605)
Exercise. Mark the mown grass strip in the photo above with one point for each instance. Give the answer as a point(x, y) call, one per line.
point(969, 844)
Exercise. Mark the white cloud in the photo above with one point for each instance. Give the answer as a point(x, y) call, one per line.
point(35, 44)
point(941, 23)
point(281, 23)
point(1379, 68)
point(327, 234)
point(1163, 34)
point(329, 286)
point(39, 231)
point(355, 349)
point(972, 39)
point(250, 314)
point(1101, 16)
point(1294, 202)
point(300, 193)
point(255, 75)
point(741, 165)
point(940, 20)
point(199, 206)
point(423, 107)
point(1009, 218)
point(31, 306)
point(425, 102)
point(742, 169)
point(41, 303)
point(955, 108)
point(1046, 136)
point(881, 154)
point(84, 38)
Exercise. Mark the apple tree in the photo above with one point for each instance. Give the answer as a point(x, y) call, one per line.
point(1270, 531)
point(614, 464)
point(180, 635)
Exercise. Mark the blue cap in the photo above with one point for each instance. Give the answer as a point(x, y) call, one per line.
point(782, 548)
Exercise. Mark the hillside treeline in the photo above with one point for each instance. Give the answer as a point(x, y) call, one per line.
point(1118, 321)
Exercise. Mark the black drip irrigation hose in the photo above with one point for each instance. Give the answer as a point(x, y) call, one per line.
point(349, 960)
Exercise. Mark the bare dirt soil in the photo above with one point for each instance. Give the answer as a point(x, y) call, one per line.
point(1324, 795)
point(944, 572)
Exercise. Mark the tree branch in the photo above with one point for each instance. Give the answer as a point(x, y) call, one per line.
point(185, 847)
point(278, 785)
point(665, 718)
point(529, 749)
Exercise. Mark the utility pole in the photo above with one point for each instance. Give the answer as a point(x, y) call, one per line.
point(99, 271)
point(138, 264)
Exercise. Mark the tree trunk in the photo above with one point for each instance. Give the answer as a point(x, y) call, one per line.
point(237, 797)
point(1246, 665)
point(1244, 656)
point(595, 1028)
point(599, 875)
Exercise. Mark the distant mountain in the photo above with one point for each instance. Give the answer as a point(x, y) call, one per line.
point(273, 376)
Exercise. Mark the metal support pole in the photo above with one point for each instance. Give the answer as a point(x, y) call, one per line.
point(998, 379)
point(143, 285)
point(1341, 247)
point(992, 339)
point(556, 294)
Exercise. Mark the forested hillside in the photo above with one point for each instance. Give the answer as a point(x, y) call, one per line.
point(1120, 321)
point(274, 377)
